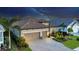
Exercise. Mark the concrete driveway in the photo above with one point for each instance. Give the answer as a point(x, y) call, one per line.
point(47, 45)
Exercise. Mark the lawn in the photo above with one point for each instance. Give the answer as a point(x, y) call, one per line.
point(71, 44)
point(72, 37)
point(68, 40)
point(25, 49)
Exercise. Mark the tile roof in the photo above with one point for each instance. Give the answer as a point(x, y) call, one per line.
point(30, 23)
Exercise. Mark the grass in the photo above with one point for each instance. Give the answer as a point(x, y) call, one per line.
point(25, 49)
point(72, 37)
point(71, 43)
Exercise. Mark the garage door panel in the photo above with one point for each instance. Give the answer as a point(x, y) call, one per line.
point(31, 36)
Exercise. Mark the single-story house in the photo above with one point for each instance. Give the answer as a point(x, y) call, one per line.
point(32, 29)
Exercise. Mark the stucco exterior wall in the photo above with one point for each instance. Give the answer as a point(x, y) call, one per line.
point(33, 30)
point(40, 30)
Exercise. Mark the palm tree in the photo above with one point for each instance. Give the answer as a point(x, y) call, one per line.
point(63, 26)
point(8, 25)
point(49, 17)
point(18, 28)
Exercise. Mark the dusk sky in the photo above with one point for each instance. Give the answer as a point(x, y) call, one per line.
point(55, 11)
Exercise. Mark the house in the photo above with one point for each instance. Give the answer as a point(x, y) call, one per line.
point(2, 30)
point(75, 27)
point(61, 24)
point(32, 29)
point(69, 23)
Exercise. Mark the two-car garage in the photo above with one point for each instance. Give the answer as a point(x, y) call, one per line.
point(31, 36)
point(35, 35)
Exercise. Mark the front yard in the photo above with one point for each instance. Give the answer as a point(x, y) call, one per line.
point(71, 44)
point(72, 37)
point(69, 41)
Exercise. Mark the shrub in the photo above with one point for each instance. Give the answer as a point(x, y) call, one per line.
point(77, 39)
point(59, 37)
point(70, 30)
point(21, 42)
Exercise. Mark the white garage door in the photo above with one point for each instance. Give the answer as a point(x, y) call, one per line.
point(29, 37)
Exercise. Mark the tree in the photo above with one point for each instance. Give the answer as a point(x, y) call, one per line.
point(63, 26)
point(18, 28)
point(49, 18)
point(8, 26)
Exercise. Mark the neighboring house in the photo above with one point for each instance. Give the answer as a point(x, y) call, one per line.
point(32, 29)
point(61, 23)
point(75, 27)
point(2, 30)
point(70, 23)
